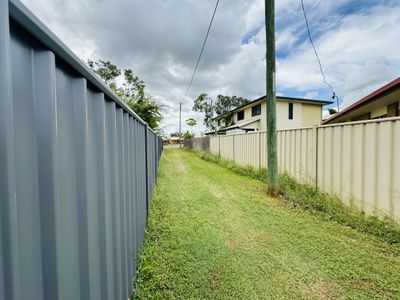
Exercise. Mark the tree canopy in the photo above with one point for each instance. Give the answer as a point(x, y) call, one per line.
point(203, 104)
point(174, 134)
point(132, 91)
point(225, 104)
point(191, 122)
point(187, 135)
point(209, 106)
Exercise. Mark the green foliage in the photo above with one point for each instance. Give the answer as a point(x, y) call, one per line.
point(174, 134)
point(191, 122)
point(148, 110)
point(225, 104)
point(132, 91)
point(105, 69)
point(133, 87)
point(332, 111)
point(221, 105)
point(203, 104)
point(307, 197)
point(187, 135)
point(228, 118)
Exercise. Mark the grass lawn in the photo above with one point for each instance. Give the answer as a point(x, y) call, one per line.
point(214, 234)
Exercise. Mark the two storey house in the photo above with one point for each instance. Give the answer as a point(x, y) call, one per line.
point(290, 113)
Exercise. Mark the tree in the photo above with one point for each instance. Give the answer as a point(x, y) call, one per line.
point(187, 135)
point(191, 122)
point(225, 104)
point(105, 69)
point(222, 105)
point(132, 91)
point(332, 111)
point(148, 110)
point(203, 104)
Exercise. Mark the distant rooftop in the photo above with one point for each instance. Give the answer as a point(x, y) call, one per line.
point(395, 84)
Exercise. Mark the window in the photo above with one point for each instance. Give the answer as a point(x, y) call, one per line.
point(256, 110)
point(240, 115)
point(290, 111)
point(379, 117)
point(219, 122)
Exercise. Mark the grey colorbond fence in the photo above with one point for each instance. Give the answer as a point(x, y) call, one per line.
point(77, 170)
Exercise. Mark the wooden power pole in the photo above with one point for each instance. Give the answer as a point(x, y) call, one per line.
point(271, 99)
point(180, 124)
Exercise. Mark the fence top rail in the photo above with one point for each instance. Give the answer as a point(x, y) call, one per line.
point(298, 128)
point(242, 133)
point(392, 119)
point(344, 124)
point(21, 15)
point(361, 122)
point(257, 132)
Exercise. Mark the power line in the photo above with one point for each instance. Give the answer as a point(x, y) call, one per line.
point(334, 96)
point(202, 48)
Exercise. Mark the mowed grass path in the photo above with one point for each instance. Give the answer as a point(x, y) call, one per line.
point(213, 234)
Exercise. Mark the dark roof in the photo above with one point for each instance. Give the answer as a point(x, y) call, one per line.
point(238, 125)
point(386, 89)
point(281, 98)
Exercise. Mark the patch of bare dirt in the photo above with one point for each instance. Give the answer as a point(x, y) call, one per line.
point(322, 291)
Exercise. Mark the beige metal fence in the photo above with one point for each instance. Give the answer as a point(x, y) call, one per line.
point(357, 161)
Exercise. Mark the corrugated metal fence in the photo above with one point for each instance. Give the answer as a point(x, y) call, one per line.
point(358, 161)
point(77, 170)
point(198, 143)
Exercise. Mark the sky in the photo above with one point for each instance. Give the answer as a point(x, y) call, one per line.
point(357, 41)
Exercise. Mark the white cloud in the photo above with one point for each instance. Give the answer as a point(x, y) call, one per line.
point(311, 95)
point(358, 55)
point(160, 41)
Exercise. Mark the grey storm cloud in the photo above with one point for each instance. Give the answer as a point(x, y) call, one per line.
point(161, 39)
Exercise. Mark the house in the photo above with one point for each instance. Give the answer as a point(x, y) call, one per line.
point(171, 140)
point(382, 103)
point(290, 112)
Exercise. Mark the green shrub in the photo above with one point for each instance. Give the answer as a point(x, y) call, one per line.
point(314, 200)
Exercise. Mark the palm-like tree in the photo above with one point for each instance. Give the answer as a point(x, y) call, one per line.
point(191, 122)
